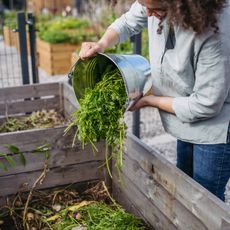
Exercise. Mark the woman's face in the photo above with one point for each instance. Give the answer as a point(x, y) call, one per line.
point(154, 8)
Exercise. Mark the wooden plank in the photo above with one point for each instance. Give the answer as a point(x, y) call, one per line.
point(42, 45)
point(58, 157)
point(70, 102)
point(61, 63)
point(69, 108)
point(55, 177)
point(189, 193)
point(55, 48)
point(69, 94)
point(30, 105)
point(176, 213)
point(7, 37)
point(134, 201)
point(61, 70)
point(62, 56)
point(28, 140)
point(29, 91)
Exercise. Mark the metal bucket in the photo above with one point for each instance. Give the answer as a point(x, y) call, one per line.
point(134, 69)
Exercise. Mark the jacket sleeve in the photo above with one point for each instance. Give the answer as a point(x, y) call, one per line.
point(212, 83)
point(130, 23)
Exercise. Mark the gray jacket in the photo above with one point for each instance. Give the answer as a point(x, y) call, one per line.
point(196, 72)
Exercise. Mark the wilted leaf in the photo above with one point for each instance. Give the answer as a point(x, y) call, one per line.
point(82, 204)
point(53, 218)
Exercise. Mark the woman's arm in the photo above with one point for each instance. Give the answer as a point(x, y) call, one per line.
point(124, 27)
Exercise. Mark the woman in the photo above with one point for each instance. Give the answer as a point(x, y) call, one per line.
point(190, 62)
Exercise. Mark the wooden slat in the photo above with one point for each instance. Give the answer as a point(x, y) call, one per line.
point(7, 38)
point(28, 91)
point(70, 103)
point(176, 213)
point(30, 105)
point(42, 45)
point(61, 70)
point(69, 108)
point(28, 140)
point(134, 201)
point(54, 48)
point(185, 190)
point(58, 157)
point(55, 177)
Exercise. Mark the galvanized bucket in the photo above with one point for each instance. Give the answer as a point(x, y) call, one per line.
point(134, 69)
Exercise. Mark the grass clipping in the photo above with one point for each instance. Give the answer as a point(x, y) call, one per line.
point(68, 209)
point(101, 116)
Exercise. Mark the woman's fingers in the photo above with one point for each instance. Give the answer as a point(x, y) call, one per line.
point(89, 49)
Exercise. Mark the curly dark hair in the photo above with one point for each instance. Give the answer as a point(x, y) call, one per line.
point(198, 15)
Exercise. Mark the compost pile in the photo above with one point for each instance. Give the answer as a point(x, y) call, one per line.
point(39, 119)
point(68, 209)
point(101, 115)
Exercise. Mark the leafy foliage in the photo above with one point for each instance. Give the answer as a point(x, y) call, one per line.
point(101, 115)
point(99, 216)
point(10, 19)
point(64, 29)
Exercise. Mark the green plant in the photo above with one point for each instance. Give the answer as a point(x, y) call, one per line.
point(10, 19)
point(95, 216)
point(123, 48)
point(55, 36)
point(101, 115)
point(64, 29)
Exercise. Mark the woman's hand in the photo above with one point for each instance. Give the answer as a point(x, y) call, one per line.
point(160, 102)
point(141, 103)
point(90, 49)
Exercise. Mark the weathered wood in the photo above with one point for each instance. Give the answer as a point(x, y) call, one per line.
point(55, 177)
point(158, 174)
point(29, 91)
point(58, 157)
point(26, 106)
point(134, 201)
point(70, 103)
point(28, 140)
point(162, 199)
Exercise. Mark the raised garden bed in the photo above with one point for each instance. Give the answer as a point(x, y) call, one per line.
point(55, 58)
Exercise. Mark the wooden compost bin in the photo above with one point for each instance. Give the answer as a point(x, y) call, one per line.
point(151, 187)
point(55, 58)
point(66, 164)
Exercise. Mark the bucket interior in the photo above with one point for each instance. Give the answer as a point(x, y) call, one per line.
point(87, 73)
